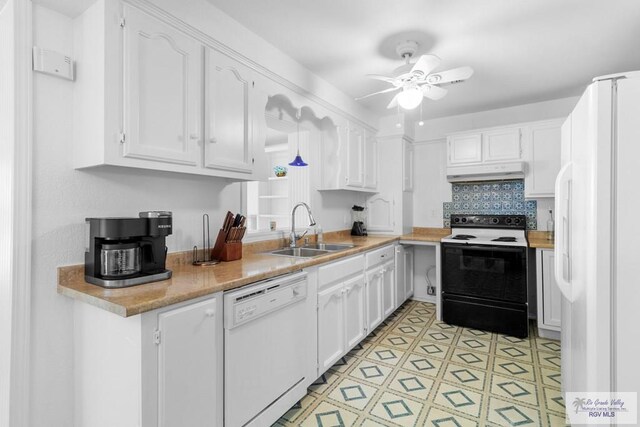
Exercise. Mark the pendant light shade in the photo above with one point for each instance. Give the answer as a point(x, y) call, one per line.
point(298, 160)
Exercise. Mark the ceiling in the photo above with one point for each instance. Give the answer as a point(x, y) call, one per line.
point(522, 51)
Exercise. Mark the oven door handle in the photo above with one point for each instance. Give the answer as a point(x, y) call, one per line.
point(486, 248)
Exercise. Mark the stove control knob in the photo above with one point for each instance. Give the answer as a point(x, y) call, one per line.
point(463, 220)
point(494, 220)
point(456, 220)
point(507, 221)
point(516, 220)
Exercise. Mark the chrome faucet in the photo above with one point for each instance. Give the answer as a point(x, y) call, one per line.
point(293, 237)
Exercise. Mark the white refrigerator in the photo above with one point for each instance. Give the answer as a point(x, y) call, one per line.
point(597, 240)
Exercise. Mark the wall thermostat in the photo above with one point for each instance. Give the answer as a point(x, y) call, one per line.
point(53, 63)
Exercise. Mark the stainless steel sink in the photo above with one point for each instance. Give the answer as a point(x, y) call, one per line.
point(328, 246)
point(299, 252)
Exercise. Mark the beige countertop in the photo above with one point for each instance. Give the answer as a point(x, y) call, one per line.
point(188, 281)
point(538, 239)
point(425, 234)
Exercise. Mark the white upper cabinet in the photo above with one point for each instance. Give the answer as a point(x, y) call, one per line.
point(407, 167)
point(355, 157)
point(501, 145)
point(154, 95)
point(542, 153)
point(228, 112)
point(162, 104)
point(486, 146)
point(350, 159)
point(464, 149)
point(370, 162)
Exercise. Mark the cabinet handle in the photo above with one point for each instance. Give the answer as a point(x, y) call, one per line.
point(212, 141)
point(210, 312)
point(193, 136)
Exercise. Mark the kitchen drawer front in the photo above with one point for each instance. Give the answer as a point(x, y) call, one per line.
point(340, 270)
point(380, 256)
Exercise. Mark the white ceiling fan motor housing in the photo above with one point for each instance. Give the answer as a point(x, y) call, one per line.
point(407, 49)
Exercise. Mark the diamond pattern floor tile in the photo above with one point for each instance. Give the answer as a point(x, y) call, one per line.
point(459, 399)
point(506, 413)
point(415, 371)
point(353, 393)
point(512, 389)
point(397, 409)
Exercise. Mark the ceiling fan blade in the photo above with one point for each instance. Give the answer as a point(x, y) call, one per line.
point(426, 64)
point(393, 103)
point(449, 76)
point(383, 78)
point(391, 89)
point(433, 92)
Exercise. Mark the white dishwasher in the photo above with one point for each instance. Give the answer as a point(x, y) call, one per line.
point(265, 354)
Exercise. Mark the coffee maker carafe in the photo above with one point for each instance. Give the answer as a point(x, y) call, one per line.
point(125, 252)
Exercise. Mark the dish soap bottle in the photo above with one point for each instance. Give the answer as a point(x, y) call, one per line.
point(550, 225)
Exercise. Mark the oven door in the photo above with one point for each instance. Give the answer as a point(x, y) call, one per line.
point(498, 273)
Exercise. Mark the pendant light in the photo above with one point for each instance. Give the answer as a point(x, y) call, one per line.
point(298, 160)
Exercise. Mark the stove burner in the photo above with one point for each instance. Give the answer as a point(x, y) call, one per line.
point(463, 237)
point(504, 239)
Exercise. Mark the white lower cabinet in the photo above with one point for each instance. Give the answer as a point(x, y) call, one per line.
point(374, 298)
point(162, 368)
point(354, 308)
point(331, 326)
point(188, 342)
point(549, 296)
point(388, 288)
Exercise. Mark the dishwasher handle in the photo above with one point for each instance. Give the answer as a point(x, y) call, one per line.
point(261, 299)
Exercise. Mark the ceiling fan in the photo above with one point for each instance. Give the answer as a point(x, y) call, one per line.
point(416, 80)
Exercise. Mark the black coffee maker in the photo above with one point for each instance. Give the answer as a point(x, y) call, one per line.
point(125, 252)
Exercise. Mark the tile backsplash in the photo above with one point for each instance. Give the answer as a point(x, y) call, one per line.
point(490, 198)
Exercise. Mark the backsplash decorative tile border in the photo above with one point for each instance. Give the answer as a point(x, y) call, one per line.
point(490, 198)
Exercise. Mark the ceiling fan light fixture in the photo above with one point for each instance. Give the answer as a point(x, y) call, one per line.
point(410, 98)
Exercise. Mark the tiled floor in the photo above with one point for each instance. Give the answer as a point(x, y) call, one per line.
point(416, 371)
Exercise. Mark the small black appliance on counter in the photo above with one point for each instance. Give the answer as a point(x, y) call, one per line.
point(125, 252)
point(359, 217)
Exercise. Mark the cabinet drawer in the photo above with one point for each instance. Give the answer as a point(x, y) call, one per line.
point(339, 270)
point(380, 256)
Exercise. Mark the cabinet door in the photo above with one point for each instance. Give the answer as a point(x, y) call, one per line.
point(551, 298)
point(189, 365)
point(407, 167)
point(408, 273)
point(501, 145)
point(400, 275)
point(355, 151)
point(354, 311)
point(388, 289)
point(331, 328)
point(542, 153)
point(163, 86)
point(228, 112)
point(370, 162)
point(464, 149)
point(374, 298)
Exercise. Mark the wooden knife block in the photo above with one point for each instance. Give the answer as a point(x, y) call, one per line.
point(226, 251)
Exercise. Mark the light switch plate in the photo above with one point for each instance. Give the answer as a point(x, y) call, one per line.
point(53, 63)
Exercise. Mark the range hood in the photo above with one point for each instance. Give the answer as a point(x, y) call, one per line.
point(486, 172)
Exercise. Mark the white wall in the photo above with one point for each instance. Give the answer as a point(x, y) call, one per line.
point(7, 120)
point(431, 188)
point(63, 197)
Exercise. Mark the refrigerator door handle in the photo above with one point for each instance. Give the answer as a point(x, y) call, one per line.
point(563, 206)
